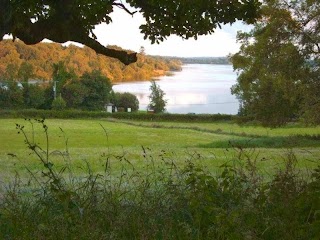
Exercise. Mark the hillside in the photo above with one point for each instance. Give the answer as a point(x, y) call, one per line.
point(42, 56)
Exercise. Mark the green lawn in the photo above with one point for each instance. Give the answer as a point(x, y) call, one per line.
point(93, 140)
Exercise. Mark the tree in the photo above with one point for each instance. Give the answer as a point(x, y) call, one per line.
point(278, 62)
point(48, 96)
point(157, 101)
point(126, 100)
point(53, 61)
point(25, 72)
point(33, 20)
point(33, 95)
point(61, 75)
point(58, 103)
point(74, 93)
point(11, 72)
point(11, 96)
point(98, 90)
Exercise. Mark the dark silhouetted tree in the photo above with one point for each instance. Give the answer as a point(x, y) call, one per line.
point(74, 20)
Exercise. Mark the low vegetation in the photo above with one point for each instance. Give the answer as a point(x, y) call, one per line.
point(159, 198)
point(142, 116)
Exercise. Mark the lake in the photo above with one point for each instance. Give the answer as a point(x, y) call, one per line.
point(198, 88)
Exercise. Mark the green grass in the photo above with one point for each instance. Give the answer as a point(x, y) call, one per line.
point(112, 179)
point(90, 140)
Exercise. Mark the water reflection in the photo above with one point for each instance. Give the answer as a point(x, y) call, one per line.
point(198, 88)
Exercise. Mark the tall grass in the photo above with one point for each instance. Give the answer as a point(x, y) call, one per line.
point(162, 201)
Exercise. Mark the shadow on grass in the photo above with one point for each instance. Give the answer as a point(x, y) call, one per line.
point(295, 141)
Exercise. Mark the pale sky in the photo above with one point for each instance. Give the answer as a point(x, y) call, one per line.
point(124, 32)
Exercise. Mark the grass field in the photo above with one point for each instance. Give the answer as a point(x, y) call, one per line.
point(210, 143)
point(159, 180)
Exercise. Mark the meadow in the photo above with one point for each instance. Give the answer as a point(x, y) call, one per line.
point(214, 143)
point(123, 179)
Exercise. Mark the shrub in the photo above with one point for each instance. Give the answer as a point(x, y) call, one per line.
point(143, 116)
point(59, 104)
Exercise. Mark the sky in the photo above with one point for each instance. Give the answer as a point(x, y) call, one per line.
point(124, 32)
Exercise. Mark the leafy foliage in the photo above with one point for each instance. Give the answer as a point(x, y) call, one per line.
point(126, 100)
point(59, 104)
point(278, 63)
point(34, 20)
point(98, 90)
point(13, 98)
point(91, 92)
point(157, 101)
point(72, 113)
point(47, 61)
point(26, 71)
point(33, 95)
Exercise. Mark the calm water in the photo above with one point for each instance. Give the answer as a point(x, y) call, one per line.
point(198, 88)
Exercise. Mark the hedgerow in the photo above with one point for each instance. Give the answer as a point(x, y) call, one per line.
point(71, 114)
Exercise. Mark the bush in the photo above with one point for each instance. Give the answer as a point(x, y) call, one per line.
point(139, 116)
point(59, 104)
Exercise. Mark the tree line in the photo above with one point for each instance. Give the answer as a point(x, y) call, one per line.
point(90, 91)
point(19, 61)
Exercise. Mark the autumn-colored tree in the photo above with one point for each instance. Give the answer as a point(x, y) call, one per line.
point(49, 59)
point(25, 72)
point(11, 73)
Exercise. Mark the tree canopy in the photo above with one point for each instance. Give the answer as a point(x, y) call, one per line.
point(157, 101)
point(34, 20)
point(279, 63)
point(21, 62)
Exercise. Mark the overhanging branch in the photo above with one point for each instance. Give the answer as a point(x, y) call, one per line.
point(122, 6)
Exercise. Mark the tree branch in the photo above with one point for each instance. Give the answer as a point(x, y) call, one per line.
point(122, 6)
point(63, 30)
point(123, 56)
